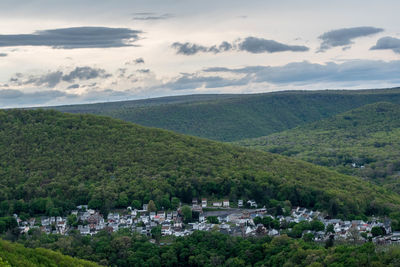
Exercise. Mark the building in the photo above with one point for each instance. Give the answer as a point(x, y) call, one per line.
point(252, 203)
point(204, 202)
point(225, 203)
point(217, 204)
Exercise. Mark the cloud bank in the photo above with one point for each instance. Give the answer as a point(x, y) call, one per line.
point(344, 37)
point(306, 72)
point(290, 76)
point(53, 78)
point(18, 98)
point(76, 37)
point(249, 44)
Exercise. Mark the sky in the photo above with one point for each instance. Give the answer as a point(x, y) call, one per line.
point(70, 52)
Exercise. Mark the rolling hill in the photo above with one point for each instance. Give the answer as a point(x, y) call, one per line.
point(237, 117)
point(51, 161)
point(363, 142)
point(12, 254)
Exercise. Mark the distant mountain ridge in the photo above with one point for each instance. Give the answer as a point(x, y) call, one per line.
point(237, 117)
point(363, 142)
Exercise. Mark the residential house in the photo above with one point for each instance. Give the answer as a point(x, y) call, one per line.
point(225, 203)
point(84, 230)
point(204, 202)
point(217, 204)
point(252, 203)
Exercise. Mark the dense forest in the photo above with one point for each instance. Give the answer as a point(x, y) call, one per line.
point(363, 142)
point(50, 162)
point(124, 248)
point(236, 117)
point(12, 254)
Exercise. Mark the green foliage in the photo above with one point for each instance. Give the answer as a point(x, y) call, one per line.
point(187, 214)
point(377, 231)
point(72, 220)
point(330, 228)
point(298, 229)
point(156, 233)
point(7, 223)
point(364, 142)
point(12, 254)
point(175, 203)
point(214, 249)
point(236, 117)
point(136, 204)
point(151, 206)
point(51, 162)
point(267, 221)
point(213, 219)
point(317, 226)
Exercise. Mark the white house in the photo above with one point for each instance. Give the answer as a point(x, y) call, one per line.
point(225, 203)
point(204, 202)
point(217, 204)
point(252, 203)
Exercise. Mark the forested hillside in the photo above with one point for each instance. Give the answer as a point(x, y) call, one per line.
point(98, 108)
point(50, 162)
point(236, 117)
point(12, 254)
point(363, 142)
point(215, 249)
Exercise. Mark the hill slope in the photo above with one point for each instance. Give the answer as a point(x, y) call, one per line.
point(12, 254)
point(236, 117)
point(363, 142)
point(50, 162)
point(98, 108)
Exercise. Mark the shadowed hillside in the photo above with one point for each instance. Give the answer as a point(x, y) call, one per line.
point(363, 142)
point(236, 117)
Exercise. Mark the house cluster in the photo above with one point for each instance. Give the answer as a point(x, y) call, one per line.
point(204, 203)
point(343, 229)
point(237, 222)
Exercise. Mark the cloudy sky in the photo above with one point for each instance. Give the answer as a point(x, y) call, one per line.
point(67, 52)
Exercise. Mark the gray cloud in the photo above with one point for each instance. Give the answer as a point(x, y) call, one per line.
point(51, 79)
point(189, 48)
point(135, 61)
point(259, 45)
point(344, 37)
point(306, 72)
point(143, 70)
point(193, 81)
point(85, 73)
point(250, 44)
point(73, 86)
point(387, 43)
point(77, 37)
point(151, 16)
point(3, 54)
point(139, 61)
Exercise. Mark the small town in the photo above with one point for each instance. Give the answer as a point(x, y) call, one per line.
point(245, 220)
